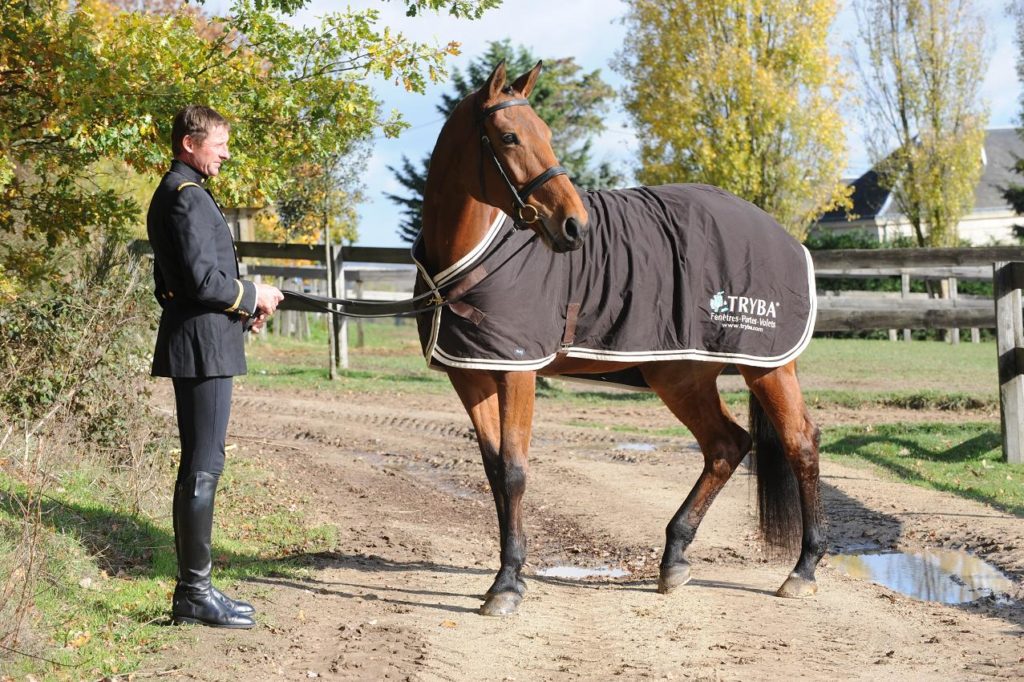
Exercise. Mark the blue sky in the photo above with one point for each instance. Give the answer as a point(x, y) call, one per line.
point(590, 31)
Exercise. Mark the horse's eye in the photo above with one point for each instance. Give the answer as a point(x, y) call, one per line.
point(509, 138)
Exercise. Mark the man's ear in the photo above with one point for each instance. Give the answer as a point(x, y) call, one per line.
point(525, 83)
point(188, 144)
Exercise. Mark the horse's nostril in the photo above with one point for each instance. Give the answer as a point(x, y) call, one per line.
point(572, 229)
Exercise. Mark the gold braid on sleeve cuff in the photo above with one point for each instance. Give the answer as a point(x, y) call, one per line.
point(241, 291)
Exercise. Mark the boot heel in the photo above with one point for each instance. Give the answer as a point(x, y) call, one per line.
point(236, 622)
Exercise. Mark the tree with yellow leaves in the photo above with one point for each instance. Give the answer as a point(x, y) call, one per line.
point(926, 125)
point(86, 82)
point(742, 94)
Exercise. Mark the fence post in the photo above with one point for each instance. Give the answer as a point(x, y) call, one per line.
point(905, 293)
point(951, 288)
point(360, 341)
point(1008, 278)
point(332, 320)
point(337, 265)
point(279, 322)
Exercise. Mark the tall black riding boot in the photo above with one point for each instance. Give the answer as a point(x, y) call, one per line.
point(238, 605)
point(195, 598)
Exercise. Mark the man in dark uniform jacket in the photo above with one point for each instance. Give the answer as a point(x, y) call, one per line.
point(207, 308)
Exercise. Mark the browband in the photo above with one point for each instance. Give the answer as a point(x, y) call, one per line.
point(502, 105)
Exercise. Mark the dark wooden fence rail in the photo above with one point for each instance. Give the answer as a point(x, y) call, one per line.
point(998, 264)
point(849, 259)
point(317, 253)
point(848, 314)
point(835, 314)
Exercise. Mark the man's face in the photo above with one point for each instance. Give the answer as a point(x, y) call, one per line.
point(210, 154)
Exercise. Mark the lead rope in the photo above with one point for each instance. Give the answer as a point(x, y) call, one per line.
point(404, 308)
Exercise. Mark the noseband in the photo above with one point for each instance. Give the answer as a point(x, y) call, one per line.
point(525, 213)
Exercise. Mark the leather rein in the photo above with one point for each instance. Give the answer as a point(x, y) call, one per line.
point(523, 214)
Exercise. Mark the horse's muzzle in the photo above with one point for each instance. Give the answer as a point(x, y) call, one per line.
point(570, 237)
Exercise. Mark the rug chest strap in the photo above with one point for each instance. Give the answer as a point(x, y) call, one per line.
point(572, 313)
point(465, 310)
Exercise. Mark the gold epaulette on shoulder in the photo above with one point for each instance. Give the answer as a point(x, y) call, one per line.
point(187, 183)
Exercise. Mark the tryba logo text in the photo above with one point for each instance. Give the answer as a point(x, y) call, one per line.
point(741, 305)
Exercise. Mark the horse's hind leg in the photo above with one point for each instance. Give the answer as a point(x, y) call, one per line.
point(784, 432)
point(690, 392)
point(501, 408)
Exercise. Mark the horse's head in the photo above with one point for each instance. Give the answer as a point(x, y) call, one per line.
point(518, 167)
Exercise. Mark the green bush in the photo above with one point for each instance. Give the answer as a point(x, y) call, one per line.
point(78, 349)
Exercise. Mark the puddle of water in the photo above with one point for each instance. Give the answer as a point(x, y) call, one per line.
point(432, 476)
point(639, 447)
point(578, 573)
point(945, 576)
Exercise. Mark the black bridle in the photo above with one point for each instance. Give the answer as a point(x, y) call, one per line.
point(524, 212)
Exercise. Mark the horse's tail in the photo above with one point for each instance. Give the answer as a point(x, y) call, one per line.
point(778, 495)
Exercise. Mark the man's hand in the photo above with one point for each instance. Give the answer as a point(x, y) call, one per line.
point(267, 298)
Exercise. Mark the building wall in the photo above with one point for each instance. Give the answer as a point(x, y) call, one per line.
point(988, 228)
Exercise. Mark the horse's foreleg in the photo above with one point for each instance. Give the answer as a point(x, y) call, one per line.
point(479, 394)
point(515, 411)
point(500, 406)
point(690, 393)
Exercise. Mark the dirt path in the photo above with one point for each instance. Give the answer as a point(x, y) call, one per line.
point(399, 475)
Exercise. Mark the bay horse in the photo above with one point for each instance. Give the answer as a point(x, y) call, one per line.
point(493, 157)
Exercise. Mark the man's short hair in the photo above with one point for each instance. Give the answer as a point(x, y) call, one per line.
point(196, 121)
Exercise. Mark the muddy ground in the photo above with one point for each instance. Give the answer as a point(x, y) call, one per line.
point(399, 476)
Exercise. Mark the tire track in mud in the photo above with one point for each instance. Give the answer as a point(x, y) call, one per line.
point(455, 425)
point(556, 538)
point(399, 596)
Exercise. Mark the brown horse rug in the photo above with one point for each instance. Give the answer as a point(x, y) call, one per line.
point(676, 272)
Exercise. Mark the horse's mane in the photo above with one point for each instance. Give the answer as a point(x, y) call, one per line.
point(460, 122)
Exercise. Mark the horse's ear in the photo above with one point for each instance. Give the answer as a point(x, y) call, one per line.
point(496, 81)
point(525, 83)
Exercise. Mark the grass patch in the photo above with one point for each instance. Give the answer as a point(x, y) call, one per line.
point(940, 376)
point(390, 359)
point(101, 597)
point(965, 459)
point(904, 400)
point(98, 587)
point(921, 365)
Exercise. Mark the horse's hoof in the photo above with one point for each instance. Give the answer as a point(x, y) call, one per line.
point(501, 604)
point(520, 584)
point(672, 577)
point(796, 587)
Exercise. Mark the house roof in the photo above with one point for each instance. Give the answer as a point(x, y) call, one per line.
point(1002, 148)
